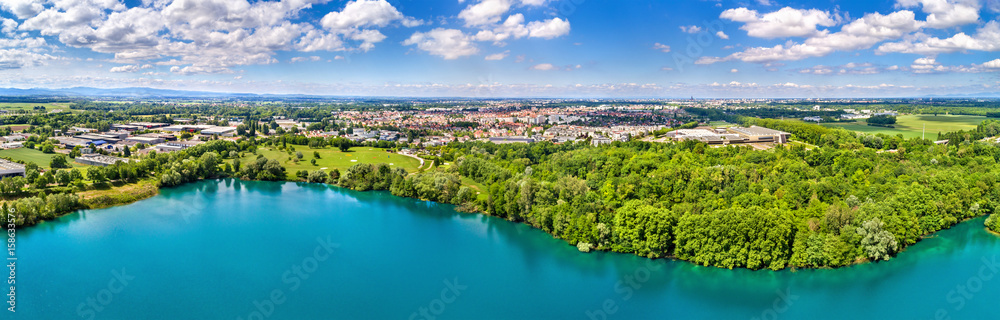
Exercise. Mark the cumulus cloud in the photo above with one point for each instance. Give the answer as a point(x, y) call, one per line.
point(786, 22)
point(862, 33)
point(722, 35)
point(205, 36)
point(485, 12)
point(450, 44)
point(548, 29)
point(986, 38)
point(945, 13)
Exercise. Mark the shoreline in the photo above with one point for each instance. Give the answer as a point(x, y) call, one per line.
point(156, 191)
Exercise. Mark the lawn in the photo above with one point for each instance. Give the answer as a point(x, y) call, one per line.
point(334, 159)
point(32, 155)
point(912, 126)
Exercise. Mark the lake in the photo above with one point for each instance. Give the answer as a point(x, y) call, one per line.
point(227, 249)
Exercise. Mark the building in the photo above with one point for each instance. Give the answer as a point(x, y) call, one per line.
point(220, 131)
point(813, 119)
point(146, 140)
point(99, 160)
point(171, 146)
point(761, 134)
point(70, 142)
point(506, 140)
point(148, 125)
point(10, 169)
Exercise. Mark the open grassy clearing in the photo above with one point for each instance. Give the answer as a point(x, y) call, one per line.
point(32, 155)
point(334, 159)
point(912, 126)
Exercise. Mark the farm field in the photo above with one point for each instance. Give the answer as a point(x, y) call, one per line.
point(32, 155)
point(334, 159)
point(29, 106)
point(912, 126)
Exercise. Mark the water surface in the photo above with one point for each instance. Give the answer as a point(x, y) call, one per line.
point(258, 250)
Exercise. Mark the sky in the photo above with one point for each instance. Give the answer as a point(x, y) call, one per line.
point(508, 48)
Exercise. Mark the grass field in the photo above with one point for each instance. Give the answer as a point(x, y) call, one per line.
point(912, 126)
point(32, 155)
point(334, 159)
point(18, 106)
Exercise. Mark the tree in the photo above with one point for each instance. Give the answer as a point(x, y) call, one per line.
point(96, 175)
point(75, 175)
point(877, 243)
point(316, 154)
point(302, 174)
point(993, 223)
point(298, 154)
point(59, 161)
point(63, 177)
point(313, 162)
point(317, 176)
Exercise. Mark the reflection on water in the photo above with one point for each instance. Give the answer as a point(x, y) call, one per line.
point(207, 250)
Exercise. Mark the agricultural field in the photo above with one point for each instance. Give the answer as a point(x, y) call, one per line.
point(33, 155)
point(334, 159)
point(912, 126)
point(21, 106)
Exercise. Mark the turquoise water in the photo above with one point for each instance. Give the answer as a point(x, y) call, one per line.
point(257, 250)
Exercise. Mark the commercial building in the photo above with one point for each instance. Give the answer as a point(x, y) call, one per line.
point(99, 160)
point(10, 169)
point(220, 131)
point(145, 140)
point(761, 134)
point(731, 135)
point(171, 146)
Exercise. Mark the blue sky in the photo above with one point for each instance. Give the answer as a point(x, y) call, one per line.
point(508, 48)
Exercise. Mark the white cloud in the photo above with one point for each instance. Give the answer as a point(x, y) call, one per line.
point(986, 38)
point(690, 29)
point(661, 47)
point(23, 9)
point(497, 56)
point(722, 35)
point(544, 67)
point(995, 64)
point(786, 22)
point(448, 43)
point(946, 13)
point(485, 12)
point(304, 59)
point(734, 71)
point(131, 68)
point(548, 29)
point(862, 33)
point(17, 58)
point(365, 13)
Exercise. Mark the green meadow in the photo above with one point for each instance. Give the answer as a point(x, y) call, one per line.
point(912, 126)
point(33, 155)
point(334, 159)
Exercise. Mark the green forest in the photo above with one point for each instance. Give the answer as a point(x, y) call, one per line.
point(846, 202)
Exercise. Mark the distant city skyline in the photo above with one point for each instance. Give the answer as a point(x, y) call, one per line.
point(508, 48)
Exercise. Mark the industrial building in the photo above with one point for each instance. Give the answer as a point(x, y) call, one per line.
point(99, 160)
point(10, 169)
point(753, 134)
